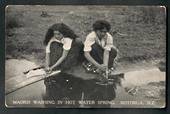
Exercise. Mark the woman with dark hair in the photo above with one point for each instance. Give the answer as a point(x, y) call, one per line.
point(62, 48)
point(98, 47)
point(65, 53)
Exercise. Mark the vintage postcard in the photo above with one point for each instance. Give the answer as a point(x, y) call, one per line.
point(92, 56)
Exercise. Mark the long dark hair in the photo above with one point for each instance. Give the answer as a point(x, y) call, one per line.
point(62, 28)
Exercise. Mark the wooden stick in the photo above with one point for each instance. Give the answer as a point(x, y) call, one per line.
point(12, 87)
point(39, 67)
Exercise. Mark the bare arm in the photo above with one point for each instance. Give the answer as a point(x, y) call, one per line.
point(106, 58)
point(47, 60)
point(61, 59)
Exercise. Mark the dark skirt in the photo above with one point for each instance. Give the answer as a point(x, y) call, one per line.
point(97, 54)
point(74, 57)
point(59, 83)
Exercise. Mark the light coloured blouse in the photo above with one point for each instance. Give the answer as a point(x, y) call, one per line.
point(65, 41)
point(92, 38)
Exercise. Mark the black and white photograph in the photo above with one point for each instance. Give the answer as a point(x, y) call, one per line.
point(85, 56)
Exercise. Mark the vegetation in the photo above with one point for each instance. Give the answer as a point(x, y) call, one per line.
point(141, 31)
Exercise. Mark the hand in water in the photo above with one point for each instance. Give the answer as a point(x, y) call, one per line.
point(103, 67)
point(48, 70)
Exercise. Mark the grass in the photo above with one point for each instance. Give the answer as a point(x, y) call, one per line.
point(144, 39)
